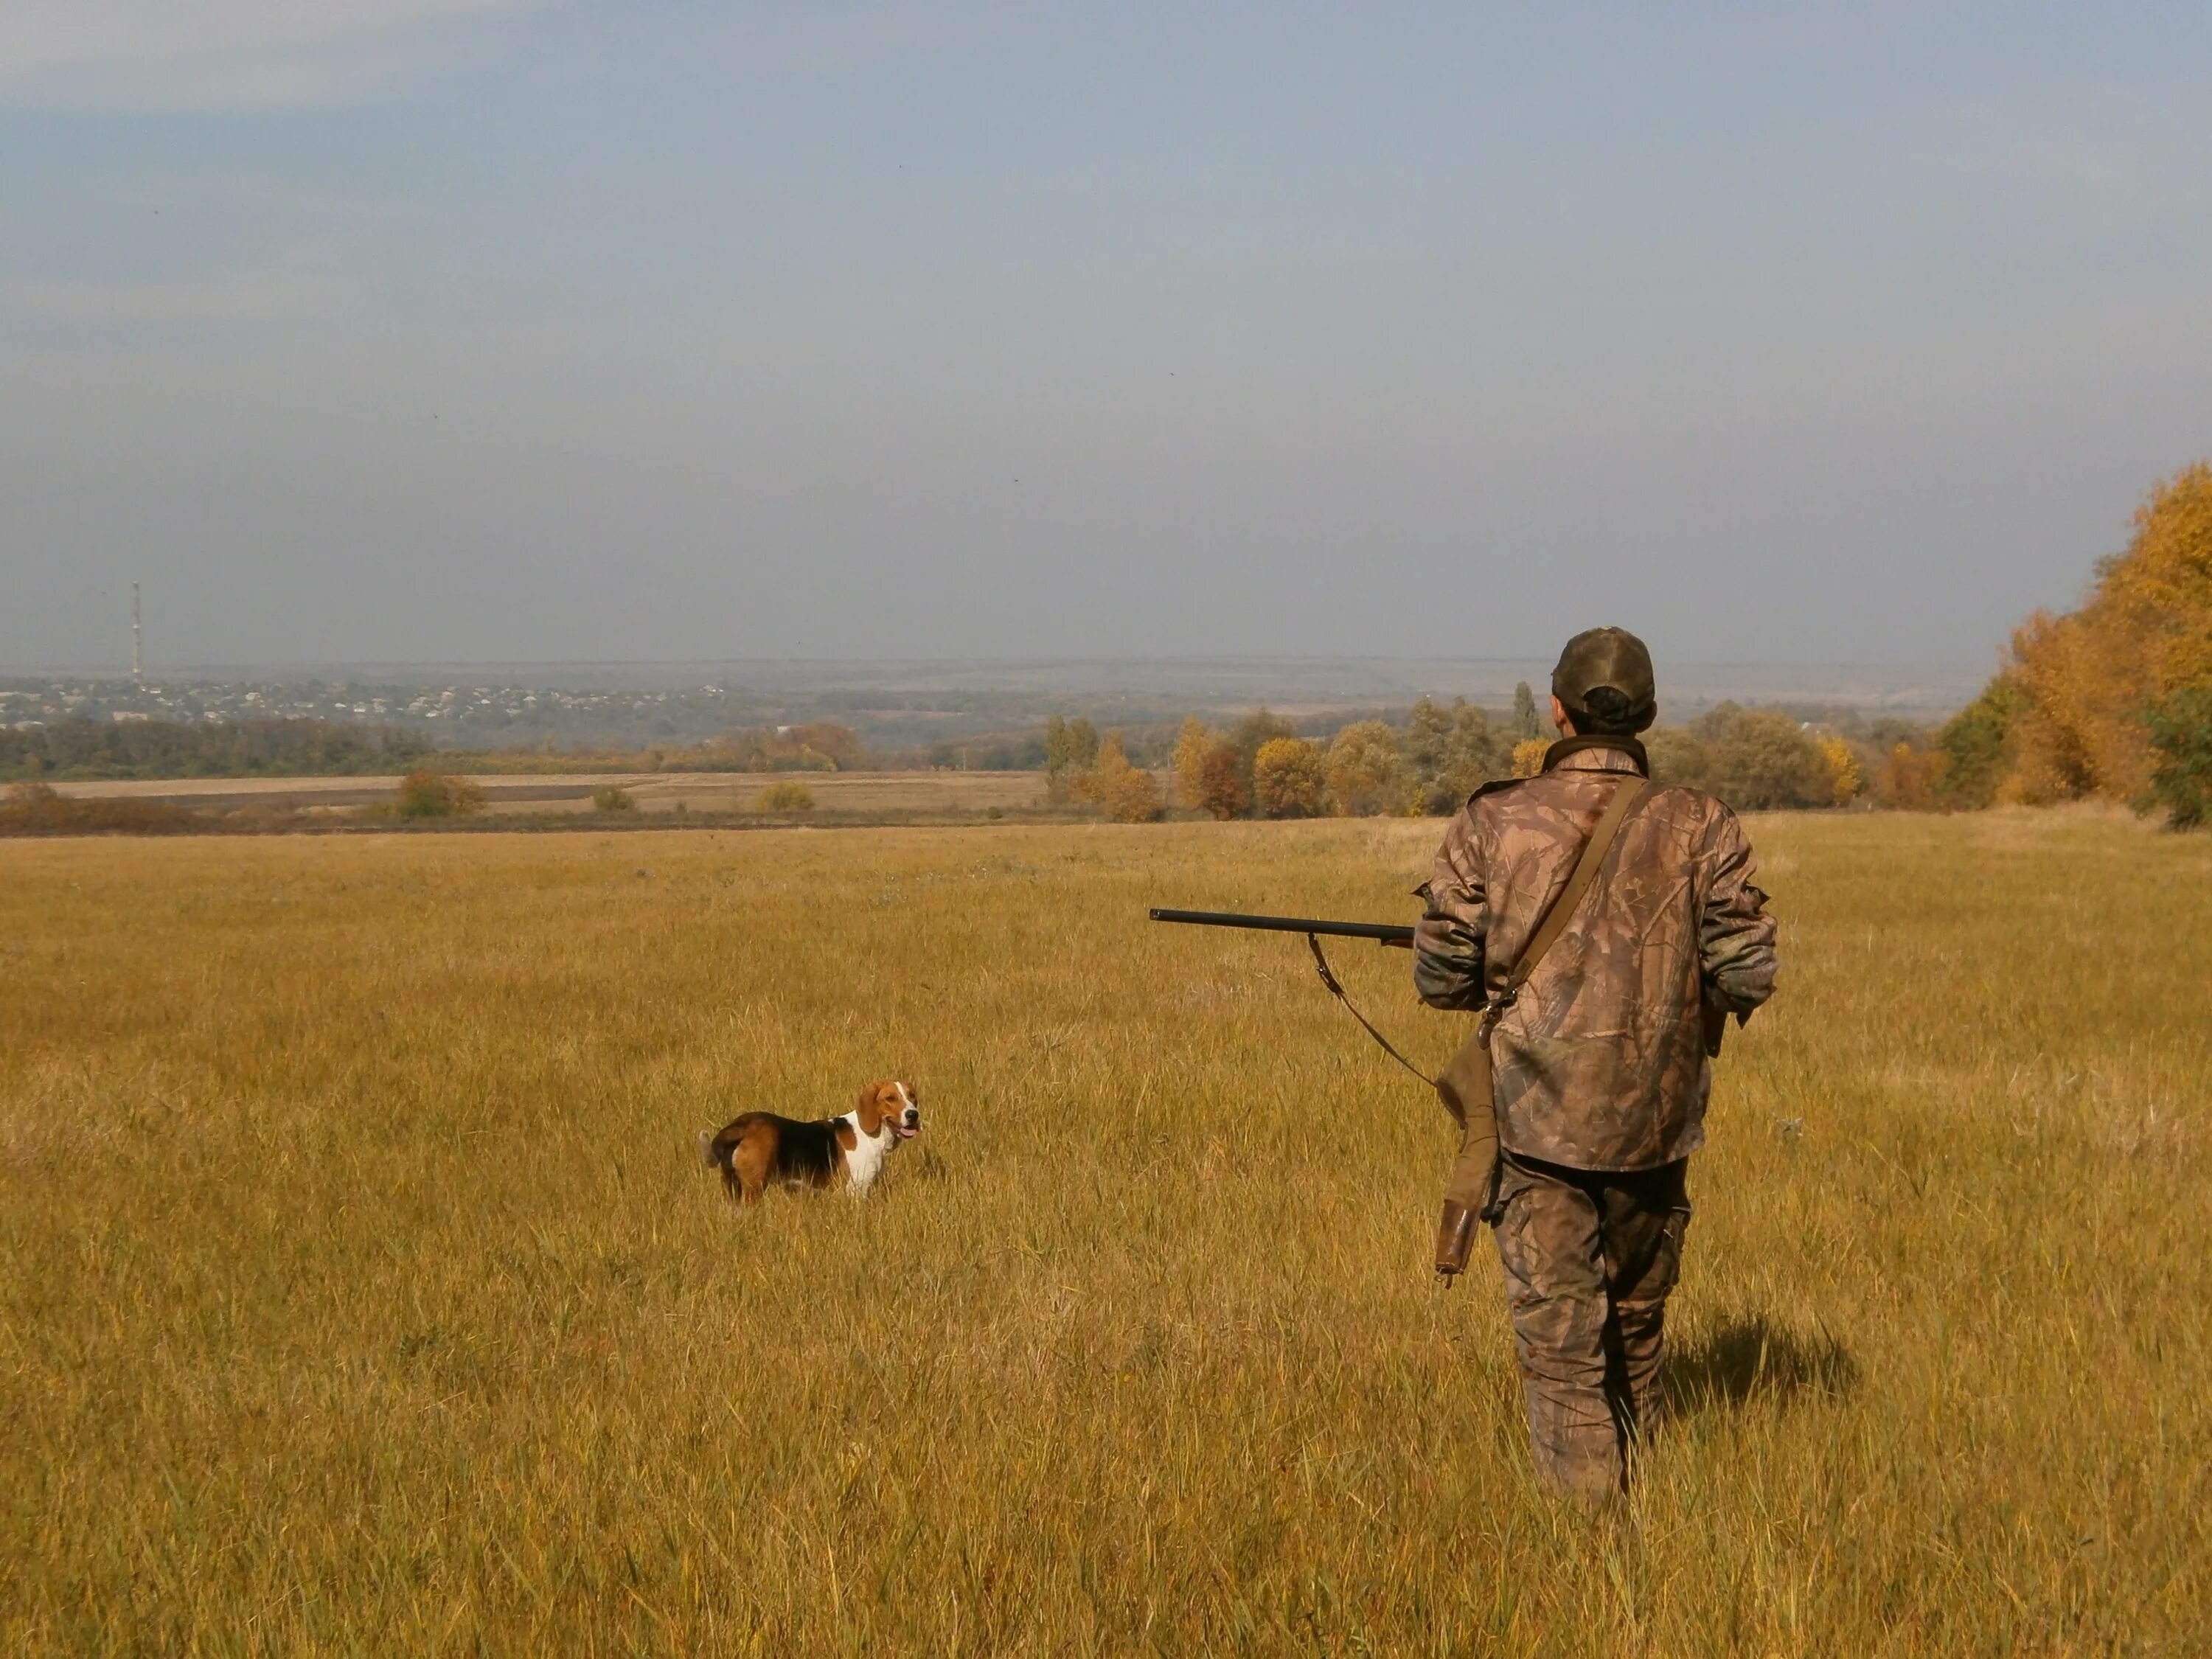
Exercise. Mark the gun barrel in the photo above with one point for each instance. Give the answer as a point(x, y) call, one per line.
point(1375, 930)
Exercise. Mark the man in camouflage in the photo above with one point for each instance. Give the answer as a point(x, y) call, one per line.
point(1600, 1063)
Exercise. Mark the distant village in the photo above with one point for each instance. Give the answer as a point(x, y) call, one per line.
point(498, 716)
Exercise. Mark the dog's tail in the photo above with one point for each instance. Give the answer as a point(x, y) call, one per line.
point(718, 1151)
point(714, 1150)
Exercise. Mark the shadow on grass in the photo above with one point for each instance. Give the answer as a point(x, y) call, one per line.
point(1750, 1357)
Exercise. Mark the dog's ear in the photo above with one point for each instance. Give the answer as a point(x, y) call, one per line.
point(870, 1113)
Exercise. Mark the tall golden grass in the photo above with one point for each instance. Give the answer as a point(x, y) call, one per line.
point(360, 1291)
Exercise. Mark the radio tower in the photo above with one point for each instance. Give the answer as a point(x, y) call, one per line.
point(137, 660)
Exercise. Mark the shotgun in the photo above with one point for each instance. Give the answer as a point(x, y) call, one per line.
point(1714, 1019)
point(1381, 933)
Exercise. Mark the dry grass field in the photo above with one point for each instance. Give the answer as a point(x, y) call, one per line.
point(360, 1292)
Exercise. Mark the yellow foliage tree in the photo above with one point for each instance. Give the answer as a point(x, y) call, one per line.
point(2165, 580)
point(1844, 778)
point(1209, 776)
point(1365, 775)
point(1528, 756)
point(1129, 794)
point(1289, 777)
point(2080, 684)
point(1191, 749)
point(1911, 778)
point(1133, 797)
point(2143, 633)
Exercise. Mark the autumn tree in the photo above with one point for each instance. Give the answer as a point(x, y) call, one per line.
point(1528, 756)
point(1192, 745)
point(1249, 735)
point(1129, 794)
point(2087, 682)
point(2081, 679)
point(1910, 779)
point(1978, 744)
point(1716, 722)
point(1450, 753)
point(1077, 742)
point(837, 744)
point(818, 746)
point(1364, 774)
point(1132, 797)
point(789, 796)
point(1070, 751)
point(1208, 777)
point(1765, 760)
point(1221, 788)
point(1677, 757)
point(1082, 783)
point(426, 794)
point(1290, 777)
point(2163, 583)
point(1840, 766)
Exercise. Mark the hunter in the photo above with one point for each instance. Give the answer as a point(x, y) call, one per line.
point(1595, 1044)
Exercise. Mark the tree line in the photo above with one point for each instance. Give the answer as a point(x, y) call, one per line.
point(79, 749)
point(174, 749)
point(1262, 766)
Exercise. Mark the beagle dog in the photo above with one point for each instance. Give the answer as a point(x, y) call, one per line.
point(760, 1150)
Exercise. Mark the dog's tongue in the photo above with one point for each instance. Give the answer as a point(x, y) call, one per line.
point(903, 1133)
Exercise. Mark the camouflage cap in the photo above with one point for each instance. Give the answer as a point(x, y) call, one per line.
point(1607, 657)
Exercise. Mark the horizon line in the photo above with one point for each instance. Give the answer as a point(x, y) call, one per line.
point(541, 663)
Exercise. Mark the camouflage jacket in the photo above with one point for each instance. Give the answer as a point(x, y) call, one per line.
point(1600, 1062)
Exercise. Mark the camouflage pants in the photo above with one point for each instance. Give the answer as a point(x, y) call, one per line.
point(1590, 1257)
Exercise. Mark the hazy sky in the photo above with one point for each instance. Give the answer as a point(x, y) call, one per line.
point(420, 330)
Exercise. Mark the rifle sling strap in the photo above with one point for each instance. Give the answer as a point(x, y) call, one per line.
point(1570, 896)
point(1464, 1085)
point(1321, 967)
